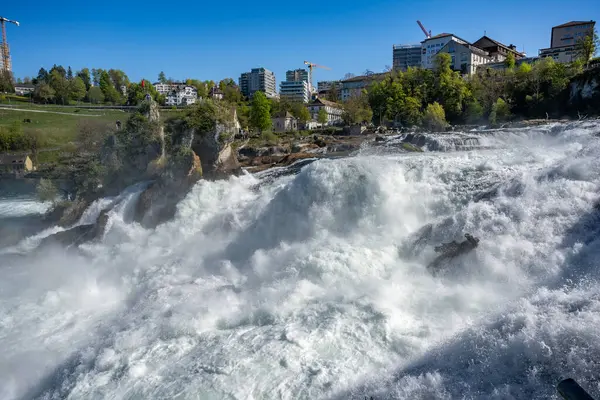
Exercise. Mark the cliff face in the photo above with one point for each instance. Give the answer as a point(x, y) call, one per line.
point(584, 92)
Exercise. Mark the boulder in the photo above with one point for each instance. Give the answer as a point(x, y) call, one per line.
point(66, 213)
point(78, 234)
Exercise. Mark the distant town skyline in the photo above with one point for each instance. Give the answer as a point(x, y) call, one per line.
point(223, 40)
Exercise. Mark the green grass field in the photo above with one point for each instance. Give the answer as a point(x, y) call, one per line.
point(58, 129)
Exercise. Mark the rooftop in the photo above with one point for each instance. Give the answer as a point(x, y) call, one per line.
point(284, 114)
point(441, 35)
point(6, 159)
point(326, 103)
point(379, 75)
point(574, 23)
point(498, 44)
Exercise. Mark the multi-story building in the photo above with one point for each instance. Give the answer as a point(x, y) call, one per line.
point(296, 75)
point(497, 51)
point(406, 55)
point(431, 46)
point(166, 88)
point(465, 57)
point(295, 91)
point(334, 110)
point(354, 86)
point(258, 79)
point(565, 38)
point(182, 96)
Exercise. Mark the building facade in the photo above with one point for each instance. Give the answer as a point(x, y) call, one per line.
point(258, 79)
point(565, 39)
point(334, 111)
point(502, 65)
point(24, 88)
point(431, 46)
point(496, 50)
point(15, 164)
point(285, 122)
point(405, 56)
point(297, 75)
point(465, 57)
point(354, 86)
point(297, 91)
point(182, 96)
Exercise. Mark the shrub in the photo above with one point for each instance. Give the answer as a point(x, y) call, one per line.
point(500, 112)
point(435, 117)
point(46, 191)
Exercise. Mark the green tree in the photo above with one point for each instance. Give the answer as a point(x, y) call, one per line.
point(118, 78)
point(298, 110)
point(111, 94)
point(43, 92)
point(473, 112)
point(500, 112)
point(450, 89)
point(77, 89)
point(200, 86)
point(60, 84)
point(69, 73)
point(95, 95)
point(333, 94)
point(6, 82)
point(42, 76)
point(243, 113)
point(587, 46)
point(260, 117)
point(357, 110)
point(84, 74)
point(60, 69)
point(162, 78)
point(322, 116)
point(435, 117)
point(509, 62)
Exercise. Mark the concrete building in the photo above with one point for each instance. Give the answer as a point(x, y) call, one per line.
point(295, 91)
point(430, 47)
point(166, 88)
point(406, 55)
point(285, 122)
point(564, 40)
point(258, 79)
point(354, 86)
point(182, 96)
point(297, 75)
point(465, 57)
point(496, 50)
point(216, 93)
point(334, 111)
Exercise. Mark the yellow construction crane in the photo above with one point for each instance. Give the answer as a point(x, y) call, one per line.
point(5, 56)
point(310, 72)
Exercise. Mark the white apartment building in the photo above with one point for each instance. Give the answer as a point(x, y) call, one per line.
point(353, 87)
point(182, 96)
point(465, 57)
point(295, 91)
point(166, 88)
point(430, 47)
point(334, 110)
point(258, 79)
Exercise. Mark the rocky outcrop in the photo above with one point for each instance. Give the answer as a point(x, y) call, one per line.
point(78, 234)
point(584, 92)
point(66, 213)
point(158, 203)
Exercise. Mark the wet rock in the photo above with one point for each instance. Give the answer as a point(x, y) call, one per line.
point(78, 234)
point(66, 213)
point(380, 138)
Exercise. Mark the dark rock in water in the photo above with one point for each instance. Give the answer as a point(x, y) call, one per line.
point(379, 138)
point(66, 213)
point(78, 234)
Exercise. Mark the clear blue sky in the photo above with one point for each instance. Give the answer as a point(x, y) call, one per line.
point(207, 39)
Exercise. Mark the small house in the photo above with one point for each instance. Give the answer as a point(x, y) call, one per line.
point(15, 164)
point(285, 122)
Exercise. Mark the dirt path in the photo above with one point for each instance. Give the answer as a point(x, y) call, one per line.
point(48, 112)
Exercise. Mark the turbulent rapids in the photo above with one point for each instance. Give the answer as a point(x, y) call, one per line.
point(311, 283)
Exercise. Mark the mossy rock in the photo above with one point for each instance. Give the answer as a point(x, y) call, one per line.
point(411, 147)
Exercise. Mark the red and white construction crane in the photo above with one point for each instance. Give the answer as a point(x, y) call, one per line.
point(427, 33)
point(5, 62)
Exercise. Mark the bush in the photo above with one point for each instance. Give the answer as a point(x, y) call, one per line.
point(435, 117)
point(500, 112)
point(269, 137)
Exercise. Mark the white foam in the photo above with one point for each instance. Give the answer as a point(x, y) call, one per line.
point(295, 288)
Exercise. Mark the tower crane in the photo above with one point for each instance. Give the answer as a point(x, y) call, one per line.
point(427, 33)
point(310, 72)
point(5, 56)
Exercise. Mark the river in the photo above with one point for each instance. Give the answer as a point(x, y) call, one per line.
point(310, 285)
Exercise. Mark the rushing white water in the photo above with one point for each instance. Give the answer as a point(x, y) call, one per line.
point(307, 286)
